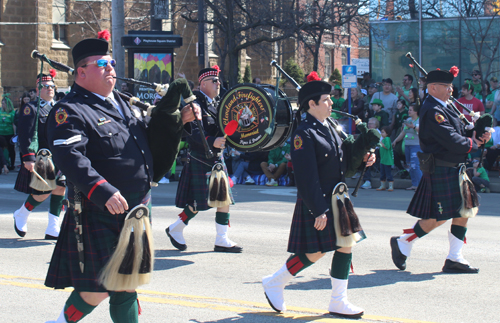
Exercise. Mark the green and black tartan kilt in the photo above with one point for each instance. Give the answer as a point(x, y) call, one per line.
point(437, 195)
point(304, 238)
point(193, 184)
point(23, 181)
point(101, 231)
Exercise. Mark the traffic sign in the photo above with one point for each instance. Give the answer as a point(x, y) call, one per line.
point(349, 76)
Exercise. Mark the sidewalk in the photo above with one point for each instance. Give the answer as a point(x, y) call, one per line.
point(404, 183)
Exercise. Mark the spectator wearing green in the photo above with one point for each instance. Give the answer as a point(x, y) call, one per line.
point(8, 128)
point(480, 179)
point(337, 100)
point(276, 164)
point(386, 160)
point(381, 115)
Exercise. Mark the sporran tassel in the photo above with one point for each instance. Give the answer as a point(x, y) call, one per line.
point(353, 217)
point(345, 225)
point(222, 196)
point(51, 171)
point(214, 187)
point(470, 200)
point(218, 187)
point(132, 262)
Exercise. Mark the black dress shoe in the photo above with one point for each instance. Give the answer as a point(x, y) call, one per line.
point(397, 256)
point(233, 249)
point(454, 267)
point(179, 246)
point(49, 237)
point(19, 232)
point(349, 316)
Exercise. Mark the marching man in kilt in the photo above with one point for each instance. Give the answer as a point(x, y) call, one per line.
point(317, 157)
point(102, 147)
point(193, 189)
point(26, 125)
point(440, 195)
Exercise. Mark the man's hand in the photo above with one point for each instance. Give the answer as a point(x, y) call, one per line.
point(320, 222)
point(483, 139)
point(288, 157)
point(271, 167)
point(29, 165)
point(117, 204)
point(220, 142)
point(187, 114)
point(369, 159)
point(181, 75)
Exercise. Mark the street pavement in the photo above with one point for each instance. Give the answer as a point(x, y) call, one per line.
point(198, 285)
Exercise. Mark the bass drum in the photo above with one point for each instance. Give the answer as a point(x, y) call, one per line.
point(262, 125)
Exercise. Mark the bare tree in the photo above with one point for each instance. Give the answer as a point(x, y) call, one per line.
point(329, 20)
point(239, 24)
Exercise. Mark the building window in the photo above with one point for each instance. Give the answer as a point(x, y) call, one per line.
point(59, 19)
point(328, 64)
point(344, 56)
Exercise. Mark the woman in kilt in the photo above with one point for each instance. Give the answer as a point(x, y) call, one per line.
point(438, 198)
point(317, 163)
point(192, 191)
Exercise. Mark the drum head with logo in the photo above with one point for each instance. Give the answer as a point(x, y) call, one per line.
point(254, 108)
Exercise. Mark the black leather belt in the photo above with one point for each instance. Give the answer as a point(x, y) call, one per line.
point(443, 163)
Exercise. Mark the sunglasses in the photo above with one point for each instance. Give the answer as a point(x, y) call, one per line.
point(48, 86)
point(214, 80)
point(102, 63)
point(475, 74)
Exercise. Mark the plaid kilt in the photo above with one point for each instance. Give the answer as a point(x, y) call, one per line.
point(437, 196)
point(23, 181)
point(304, 238)
point(193, 184)
point(101, 231)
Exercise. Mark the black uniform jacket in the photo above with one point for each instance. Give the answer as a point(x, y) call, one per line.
point(210, 128)
point(97, 149)
point(317, 163)
point(442, 133)
point(26, 127)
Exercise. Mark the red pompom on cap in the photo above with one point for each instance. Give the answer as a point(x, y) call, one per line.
point(52, 72)
point(454, 70)
point(216, 67)
point(411, 65)
point(104, 34)
point(438, 69)
point(313, 76)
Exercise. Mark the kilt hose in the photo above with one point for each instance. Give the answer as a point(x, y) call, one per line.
point(193, 184)
point(437, 195)
point(304, 238)
point(101, 231)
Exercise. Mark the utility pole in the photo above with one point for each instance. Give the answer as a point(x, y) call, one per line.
point(202, 37)
point(155, 23)
point(117, 32)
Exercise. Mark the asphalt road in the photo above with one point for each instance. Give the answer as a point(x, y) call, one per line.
point(199, 285)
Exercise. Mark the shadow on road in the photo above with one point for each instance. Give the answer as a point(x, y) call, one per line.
point(257, 317)
point(376, 278)
point(23, 243)
point(164, 261)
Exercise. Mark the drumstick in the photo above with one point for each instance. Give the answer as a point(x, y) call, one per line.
point(230, 128)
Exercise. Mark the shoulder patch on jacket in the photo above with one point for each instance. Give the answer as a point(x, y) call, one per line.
point(297, 142)
point(439, 117)
point(61, 116)
point(27, 110)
